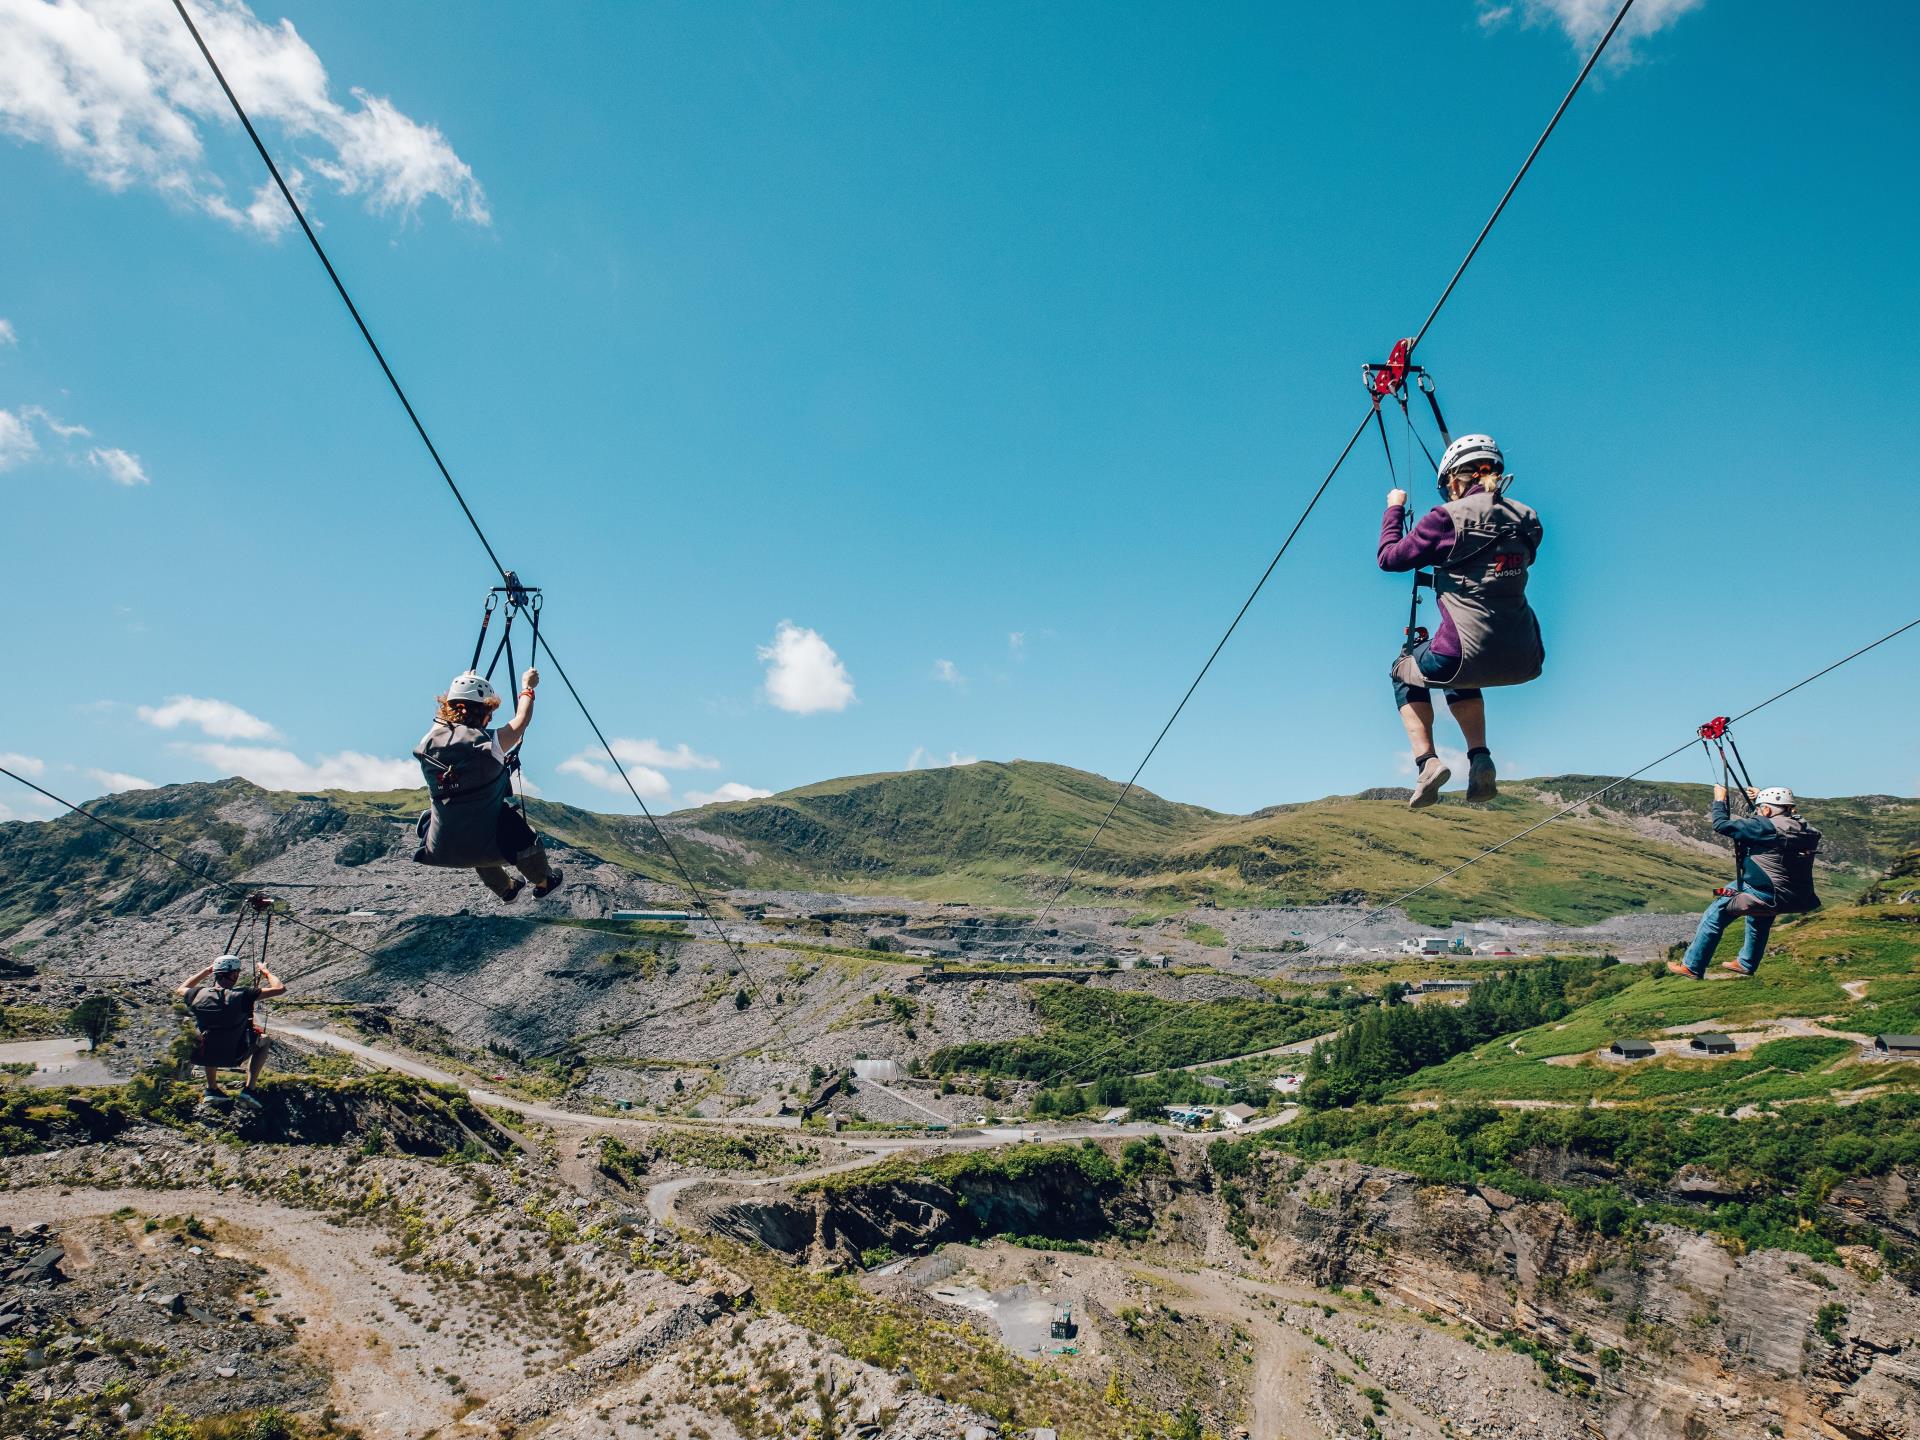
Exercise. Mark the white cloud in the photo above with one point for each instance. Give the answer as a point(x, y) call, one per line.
point(16, 439)
point(29, 765)
point(1017, 643)
point(948, 673)
point(1585, 21)
point(732, 790)
point(283, 770)
point(652, 752)
point(118, 90)
point(651, 784)
point(7, 337)
point(123, 468)
point(922, 759)
point(804, 676)
point(218, 718)
point(113, 782)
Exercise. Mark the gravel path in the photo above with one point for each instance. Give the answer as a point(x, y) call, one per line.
point(381, 1357)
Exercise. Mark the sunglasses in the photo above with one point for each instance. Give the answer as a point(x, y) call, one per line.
point(1477, 469)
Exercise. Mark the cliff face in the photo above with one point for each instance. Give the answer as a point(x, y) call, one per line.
point(1673, 1333)
point(836, 1226)
point(1669, 1335)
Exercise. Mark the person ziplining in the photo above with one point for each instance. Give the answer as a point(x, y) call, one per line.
point(1773, 855)
point(227, 1035)
point(1479, 545)
point(473, 822)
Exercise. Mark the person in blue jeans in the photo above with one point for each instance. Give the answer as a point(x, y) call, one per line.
point(1773, 849)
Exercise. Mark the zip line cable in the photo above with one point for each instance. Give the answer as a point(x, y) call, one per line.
point(1372, 409)
point(1563, 811)
point(286, 192)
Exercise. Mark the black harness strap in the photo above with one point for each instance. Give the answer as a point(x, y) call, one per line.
point(486, 619)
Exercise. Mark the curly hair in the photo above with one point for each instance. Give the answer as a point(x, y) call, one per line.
point(461, 712)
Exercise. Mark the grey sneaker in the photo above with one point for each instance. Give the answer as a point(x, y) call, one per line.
point(1426, 789)
point(1482, 784)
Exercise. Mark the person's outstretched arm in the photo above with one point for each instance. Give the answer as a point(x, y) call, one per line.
point(1747, 829)
point(515, 730)
point(266, 985)
point(194, 982)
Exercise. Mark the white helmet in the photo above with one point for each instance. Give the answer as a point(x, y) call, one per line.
point(1776, 795)
point(1468, 448)
point(471, 685)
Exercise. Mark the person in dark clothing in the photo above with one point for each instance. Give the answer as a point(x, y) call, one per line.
point(470, 824)
point(223, 1011)
point(1480, 546)
point(1774, 849)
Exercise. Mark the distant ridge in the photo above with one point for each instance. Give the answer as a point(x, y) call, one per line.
point(1003, 832)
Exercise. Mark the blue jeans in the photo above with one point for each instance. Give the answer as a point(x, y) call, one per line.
point(1714, 923)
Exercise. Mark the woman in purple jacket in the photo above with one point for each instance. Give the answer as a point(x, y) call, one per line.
point(1480, 546)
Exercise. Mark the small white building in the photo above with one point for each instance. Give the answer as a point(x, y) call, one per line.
point(1234, 1116)
point(884, 1071)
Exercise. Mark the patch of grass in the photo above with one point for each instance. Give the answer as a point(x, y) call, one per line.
point(1088, 1033)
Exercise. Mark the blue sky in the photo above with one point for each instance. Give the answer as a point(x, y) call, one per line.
point(875, 384)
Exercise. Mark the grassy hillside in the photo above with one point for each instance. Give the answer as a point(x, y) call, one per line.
point(997, 829)
point(1846, 972)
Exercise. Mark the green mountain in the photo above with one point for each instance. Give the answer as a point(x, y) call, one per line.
point(1006, 833)
point(1002, 831)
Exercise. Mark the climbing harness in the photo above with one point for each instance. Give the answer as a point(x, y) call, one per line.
point(1388, 380)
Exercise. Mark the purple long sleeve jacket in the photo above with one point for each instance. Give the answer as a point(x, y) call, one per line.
point(1428, 543)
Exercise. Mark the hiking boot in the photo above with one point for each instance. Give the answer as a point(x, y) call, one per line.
point(514, 893)
point(547, 886)
point(1481, 782)
point(1426, 789)
point(1677, 967)
point(247, 1097)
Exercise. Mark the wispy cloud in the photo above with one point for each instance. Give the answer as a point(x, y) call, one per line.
point(16, 439)
point(652, 752)
point(7, 337)
point(19, 441)
point(32, 766)
point(275, 769)
point(118, 90)
point(218, 718)
point(649, 782)
point(1017, 643)
point(112, 782)
point(732, 790)
point(804, 676)
point(948, 673)
point(122, 468)
point(1583, 22)
point(924, 759)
